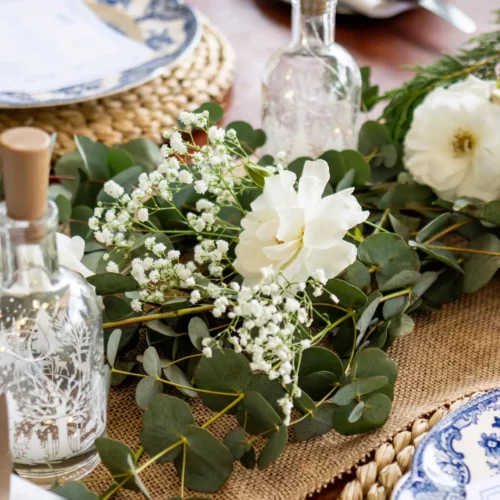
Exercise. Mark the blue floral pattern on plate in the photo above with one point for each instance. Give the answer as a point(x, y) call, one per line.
point(463, 448)
point(157, 20)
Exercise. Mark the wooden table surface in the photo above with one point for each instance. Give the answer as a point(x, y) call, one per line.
point(257, 28)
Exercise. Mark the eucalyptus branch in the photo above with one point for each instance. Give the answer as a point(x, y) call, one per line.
point(465, 250)
point(448, 230)
point(173, 384)
point(152, 317)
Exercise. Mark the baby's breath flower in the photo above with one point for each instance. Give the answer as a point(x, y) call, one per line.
point(143, 214)
point(113, 189)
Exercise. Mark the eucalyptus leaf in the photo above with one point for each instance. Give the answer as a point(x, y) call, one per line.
point(117, 457)
point(274, 448)
point(166, 421)
point(208, 462)
point(151, 362)
point(366, 314)
point(94, 156)
point(146, 390)
point(435, 226)
point(377, 409)
point(79, 225)
point(198, 331)
point(395, 306)
point(356, 413)
point(69, 165)
point(174, 374)
point(73, 491)
point(423, 284)
point(480, 269)
point(406, 195)
point(112, 346)
point(248, 460)
point(144, 152)
point(111, 283)
point(215, 112)
point(118, 160)
point(236, 442)
point(318, 384)
point(257, 407)
point(373, 362)
point(347, 181)
point(319, 422)
point(400, 326)
point(116, 308)
point(401, 280)
point(351, 391)
point(357, 275)
point(488, 212)
point(160, 327)
point(372, 138)
point(341, 162)
point(64, 208)
point(348, 295)
point(226, 371)
point(444, 256)
point(390, 254)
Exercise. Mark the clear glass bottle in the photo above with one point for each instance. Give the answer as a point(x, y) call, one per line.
point(311, 88)
point(51, 345)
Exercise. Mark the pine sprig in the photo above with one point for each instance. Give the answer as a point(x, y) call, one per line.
point(479, 57)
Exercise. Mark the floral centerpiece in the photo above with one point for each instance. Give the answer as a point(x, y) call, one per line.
point(272, 288)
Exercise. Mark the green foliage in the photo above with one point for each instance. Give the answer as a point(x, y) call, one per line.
point(479, 57)
point(111, 283)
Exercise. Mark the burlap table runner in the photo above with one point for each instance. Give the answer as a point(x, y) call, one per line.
point(451, 353)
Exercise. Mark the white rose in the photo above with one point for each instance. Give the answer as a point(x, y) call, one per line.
point(452, 145)
point(70, 252)
point(298, 232)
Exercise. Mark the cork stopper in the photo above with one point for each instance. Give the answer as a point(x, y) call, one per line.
point(314, 7)
point(25, 159)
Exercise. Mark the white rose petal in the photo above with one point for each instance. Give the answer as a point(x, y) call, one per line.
point(298, 232)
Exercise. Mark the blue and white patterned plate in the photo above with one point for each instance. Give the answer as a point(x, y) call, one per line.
point(461, 449)
point(168, 27)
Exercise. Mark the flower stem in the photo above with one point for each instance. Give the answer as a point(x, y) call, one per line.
point(376, 226)
point(448, 230)
point(152, 317)
point(183, 471)
point(114, 488)
point(466, 250)
point(323, 332)
point(400, 293)
point(159, 455)
point(382, 221)
point(225, 410)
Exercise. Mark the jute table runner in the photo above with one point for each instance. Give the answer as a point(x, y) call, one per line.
point(452, 353)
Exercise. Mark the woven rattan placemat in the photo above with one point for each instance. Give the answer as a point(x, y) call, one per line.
point(145, 111)
point(451, 354)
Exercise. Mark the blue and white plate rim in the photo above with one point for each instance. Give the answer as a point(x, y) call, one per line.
point(88, 91)
point(405, 483)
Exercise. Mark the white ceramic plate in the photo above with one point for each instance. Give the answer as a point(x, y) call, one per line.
point(168, 27)
point(463, 448)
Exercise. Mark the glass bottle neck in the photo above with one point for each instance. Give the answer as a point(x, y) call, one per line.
point(313, 22)
point(28, 251)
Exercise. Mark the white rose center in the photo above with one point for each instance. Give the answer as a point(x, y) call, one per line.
point(463, 143)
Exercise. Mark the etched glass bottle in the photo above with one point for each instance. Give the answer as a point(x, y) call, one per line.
point(311, 88)
point(51, 339)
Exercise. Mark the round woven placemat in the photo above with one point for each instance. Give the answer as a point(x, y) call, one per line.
point(145, 111)
point(376, 479)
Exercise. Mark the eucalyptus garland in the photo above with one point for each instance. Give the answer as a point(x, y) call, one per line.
point(414, 251)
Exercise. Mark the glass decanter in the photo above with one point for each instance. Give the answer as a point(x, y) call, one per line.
point(311, 88)
point(51, 340)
